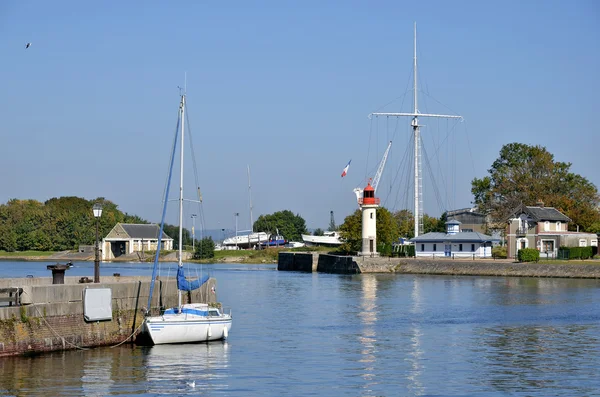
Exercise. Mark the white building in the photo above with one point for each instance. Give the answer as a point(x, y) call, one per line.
point(127, 238)
point(454, 243)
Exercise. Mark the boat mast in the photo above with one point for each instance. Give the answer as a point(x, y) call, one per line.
point(250, 198)
point(418, 194)
point(180, 264)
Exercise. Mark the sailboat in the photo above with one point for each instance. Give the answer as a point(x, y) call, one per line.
point(191, 322)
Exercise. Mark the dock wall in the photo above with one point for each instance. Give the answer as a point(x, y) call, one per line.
point(357, 264)
point(50, 317)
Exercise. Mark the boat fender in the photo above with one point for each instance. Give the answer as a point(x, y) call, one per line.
point(225, 332)
point(209, 331)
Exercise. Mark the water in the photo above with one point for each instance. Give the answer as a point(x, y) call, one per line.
point(300, 334)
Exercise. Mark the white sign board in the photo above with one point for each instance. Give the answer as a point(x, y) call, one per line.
point(97, 304)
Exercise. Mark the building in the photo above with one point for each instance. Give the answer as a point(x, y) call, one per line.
point(127, 238)
point(543, 228)
point(470, 219)
point(454, 243)
point(368, 205)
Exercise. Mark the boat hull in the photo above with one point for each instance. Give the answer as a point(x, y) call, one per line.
point(185, 328)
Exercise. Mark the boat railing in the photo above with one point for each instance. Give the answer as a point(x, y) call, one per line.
point(226, 311)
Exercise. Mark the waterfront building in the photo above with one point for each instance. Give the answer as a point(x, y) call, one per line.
point(127, 238)
point(545, 229)
point(454, 243)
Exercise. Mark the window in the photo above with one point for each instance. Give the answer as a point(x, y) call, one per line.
point(467, 230)
point(472, 247)
point(558, 225)
point(594, 243)
point(583, 242)
point(460, 247)
point(435, 247)
point(523, 243)
point(422, 247)
point(547, 245)
point(546, 226)
point(371, 215)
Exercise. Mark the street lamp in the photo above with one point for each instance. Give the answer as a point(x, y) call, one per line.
point(193, 233)
point(236, 229)
point(97, 209)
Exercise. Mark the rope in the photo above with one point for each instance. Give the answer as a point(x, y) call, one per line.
point(72, 344)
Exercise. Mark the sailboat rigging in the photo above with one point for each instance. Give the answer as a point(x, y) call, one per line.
point(191, 322)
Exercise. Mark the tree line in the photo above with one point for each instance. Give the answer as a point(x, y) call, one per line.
point(63, 223)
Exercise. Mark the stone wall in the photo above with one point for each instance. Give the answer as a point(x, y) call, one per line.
point(297, 261)
point(480, 267)
point(51, 317)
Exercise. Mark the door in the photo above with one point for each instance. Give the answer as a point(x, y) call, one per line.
point(447, 249)
point(371, 245)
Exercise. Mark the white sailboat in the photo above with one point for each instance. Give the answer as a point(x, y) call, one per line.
point(192, 322)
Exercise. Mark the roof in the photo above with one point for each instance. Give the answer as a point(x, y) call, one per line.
point(541, 213)
point(453, 222)
point(143, 231)
point(457, 237)
point(473, 211)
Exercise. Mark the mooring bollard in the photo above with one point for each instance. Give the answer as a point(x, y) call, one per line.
point(58, 273)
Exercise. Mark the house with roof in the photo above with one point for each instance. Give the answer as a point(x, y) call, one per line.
point(470, 218)
point(454, 243)
point(543, 228)
point(127, 238)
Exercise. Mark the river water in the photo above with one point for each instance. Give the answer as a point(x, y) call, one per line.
point(297, 334)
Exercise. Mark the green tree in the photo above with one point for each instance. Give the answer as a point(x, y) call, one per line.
point(318, 232)
point(58, 224)
point(526, 174)
point(173, 232)
point(351, 230)
point(290, 226)
point(205, 249)
point(406, 223)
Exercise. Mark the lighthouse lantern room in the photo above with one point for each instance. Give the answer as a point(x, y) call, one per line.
point(368, 204)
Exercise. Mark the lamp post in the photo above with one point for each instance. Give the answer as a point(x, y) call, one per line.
point(193, 233)
point(236, 229)
point(97, 209)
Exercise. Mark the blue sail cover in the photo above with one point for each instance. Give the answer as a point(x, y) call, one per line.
point(184, 285)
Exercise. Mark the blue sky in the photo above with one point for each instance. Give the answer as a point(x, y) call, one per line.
point(286, 87)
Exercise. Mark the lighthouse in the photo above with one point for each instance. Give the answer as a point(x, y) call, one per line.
point(368, 204)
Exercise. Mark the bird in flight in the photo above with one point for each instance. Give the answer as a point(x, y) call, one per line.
point(27, 45)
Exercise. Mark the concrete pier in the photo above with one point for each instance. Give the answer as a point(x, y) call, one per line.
point(296, 261)
point(50, 316)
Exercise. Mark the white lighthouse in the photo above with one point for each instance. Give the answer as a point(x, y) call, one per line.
point(368, 204)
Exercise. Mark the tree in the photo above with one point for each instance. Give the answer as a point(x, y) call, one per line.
point(318, 232)
point(173, 232)
point(527, 174)
point(288, 225)
point(406, 223)
point(205, 249)
point(351, 230)
point(58, 224)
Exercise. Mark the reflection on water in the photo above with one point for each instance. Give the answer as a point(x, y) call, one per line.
point(541, 357)
point(171, 368)
point(415, 354)
point(368, 316)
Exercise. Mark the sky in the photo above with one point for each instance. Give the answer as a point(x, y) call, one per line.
point(285, 88)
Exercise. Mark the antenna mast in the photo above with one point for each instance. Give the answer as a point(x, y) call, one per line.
point(418, 214)
point(250, 198)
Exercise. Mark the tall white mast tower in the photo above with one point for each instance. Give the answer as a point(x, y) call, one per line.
point(418, 214)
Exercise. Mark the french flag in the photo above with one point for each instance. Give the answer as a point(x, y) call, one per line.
point(345, 171)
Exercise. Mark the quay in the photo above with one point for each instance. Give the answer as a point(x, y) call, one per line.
point(326, 263)
point(39, 316)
